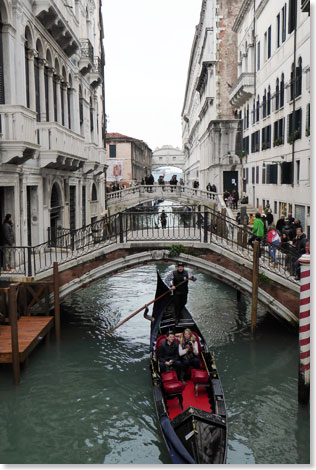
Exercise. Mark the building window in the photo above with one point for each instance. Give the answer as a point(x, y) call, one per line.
point(298, 168)
point(269, 42)
point(257, 175)
point(299, 78)
point(269, 102)
point(278, 29)
point(278, 133)
point(2, 100)
point(282, 91)
point(46, 93)
point(275, 207)
point(277, 95)
point(263, 178)
point(272, 174)
point(112, 151)
point(247, 117)
point(91, 116)
point(55, 96)
point(258, 109)
point(253, 175)
point(27, 76)
point(292, 87)
point(245, 145)
point(37, 89)
point(292, 15)
point(308, 120)
point(286, 173)
point(294, 126)
point(253, 111)
point(258, 55)
point(94, 194)
point(264, 104)
point(284, 23)
point(266, 137)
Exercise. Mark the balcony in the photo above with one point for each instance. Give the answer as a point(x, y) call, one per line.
point(60, 28)
point(18, 136)
point(242, 90)
point(86, 56)
point(61, 148)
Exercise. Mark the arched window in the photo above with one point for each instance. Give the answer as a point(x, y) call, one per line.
point(292, 82)
point(282, 91)
point(264, 104)
point(299, 77)
point(55, 79)
point(69, 101)
point(277, 94)
point(94, 194)
point(247, 120)
point(2, 98)
point(269, 101)
point(253, 111)
point(63, 96)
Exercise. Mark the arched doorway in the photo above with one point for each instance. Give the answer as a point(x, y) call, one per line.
point(55, 213)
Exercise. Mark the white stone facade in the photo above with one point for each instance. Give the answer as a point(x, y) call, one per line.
point(52, 117)
point(267, 93)
point(209, 126)
point(168, 156)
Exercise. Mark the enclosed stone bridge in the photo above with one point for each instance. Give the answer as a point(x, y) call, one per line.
point(207, 241)
point(124, 199)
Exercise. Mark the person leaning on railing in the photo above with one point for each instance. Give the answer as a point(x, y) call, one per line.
point(257, 230)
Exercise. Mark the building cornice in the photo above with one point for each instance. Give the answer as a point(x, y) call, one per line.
point(243, 10)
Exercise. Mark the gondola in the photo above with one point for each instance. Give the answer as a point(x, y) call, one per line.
point(193, 421)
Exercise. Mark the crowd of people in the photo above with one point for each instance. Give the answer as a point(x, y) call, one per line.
point(286, 235)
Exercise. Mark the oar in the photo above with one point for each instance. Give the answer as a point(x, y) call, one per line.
point(142, 308)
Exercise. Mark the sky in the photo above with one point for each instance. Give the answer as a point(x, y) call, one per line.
point(147, 50)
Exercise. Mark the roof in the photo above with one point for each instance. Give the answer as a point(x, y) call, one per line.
point(117, 135)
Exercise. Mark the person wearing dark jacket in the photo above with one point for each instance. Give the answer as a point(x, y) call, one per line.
point(300, 245)
point(8, 240)
point(280, 224)
point(169, 355)
point(173, 280)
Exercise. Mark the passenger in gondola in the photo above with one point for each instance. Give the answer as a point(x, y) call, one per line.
point(188, 351)
point(169, 355)
point(175, 281)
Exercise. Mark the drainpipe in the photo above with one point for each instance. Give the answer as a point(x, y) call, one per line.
point(294, 93)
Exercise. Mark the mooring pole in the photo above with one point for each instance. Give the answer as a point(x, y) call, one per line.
point(255, 285)
point(56, 301)
point(304, 331)
point(14, 334)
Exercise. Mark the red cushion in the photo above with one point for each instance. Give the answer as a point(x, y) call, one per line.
point(170, 376)
point(199, 376)
point(173, 387)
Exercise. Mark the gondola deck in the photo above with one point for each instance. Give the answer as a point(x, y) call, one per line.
point(196, 433)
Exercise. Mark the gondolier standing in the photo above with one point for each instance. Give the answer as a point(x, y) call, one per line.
point(173, 279)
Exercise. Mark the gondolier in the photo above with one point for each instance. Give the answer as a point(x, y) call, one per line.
point(175, 278)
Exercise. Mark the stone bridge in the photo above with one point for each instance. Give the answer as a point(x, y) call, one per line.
point(216, 246)
point(119, 201)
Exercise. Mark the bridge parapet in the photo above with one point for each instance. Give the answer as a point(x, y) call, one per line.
point(119, 201)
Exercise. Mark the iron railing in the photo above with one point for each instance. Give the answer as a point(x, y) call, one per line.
point(208, 227)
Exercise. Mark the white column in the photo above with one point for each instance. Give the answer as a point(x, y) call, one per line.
point(42, 90)
point(64, 91)
point(31, 79)
point(50, 94)
point(58, 99)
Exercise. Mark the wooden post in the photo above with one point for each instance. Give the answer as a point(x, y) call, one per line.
point(14, 334)
point(255, 285)
point(56, 301)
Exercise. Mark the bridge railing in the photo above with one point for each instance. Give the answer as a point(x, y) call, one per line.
point(210, 227)
point(158, 191)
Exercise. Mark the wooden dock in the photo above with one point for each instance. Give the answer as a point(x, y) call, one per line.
point(31, 330)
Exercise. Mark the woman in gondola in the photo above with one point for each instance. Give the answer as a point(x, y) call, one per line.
point(188, 350)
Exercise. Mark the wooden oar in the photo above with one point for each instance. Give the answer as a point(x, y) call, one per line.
point(142, 308)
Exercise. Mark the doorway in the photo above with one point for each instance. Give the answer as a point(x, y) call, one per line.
point(230, 180)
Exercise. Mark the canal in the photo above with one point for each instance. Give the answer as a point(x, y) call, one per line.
point(88, 399)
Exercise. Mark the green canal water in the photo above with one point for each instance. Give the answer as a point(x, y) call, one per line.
point(88, 399)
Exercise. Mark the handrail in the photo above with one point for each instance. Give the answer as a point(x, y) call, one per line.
point(210, 227)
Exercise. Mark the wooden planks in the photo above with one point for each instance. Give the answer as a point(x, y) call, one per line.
point(31, 330)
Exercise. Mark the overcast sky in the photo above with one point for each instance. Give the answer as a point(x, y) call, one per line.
point(147, 51)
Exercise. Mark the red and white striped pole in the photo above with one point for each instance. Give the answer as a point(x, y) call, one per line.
point(304, 333)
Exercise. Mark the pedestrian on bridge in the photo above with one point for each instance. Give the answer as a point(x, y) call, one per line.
point(163, 219)
point(257, 230)
point(173, 280)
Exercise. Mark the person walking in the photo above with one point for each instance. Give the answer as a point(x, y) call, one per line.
point(173, 280)
point(300, 245)
point(8, 240)
point(273, 241)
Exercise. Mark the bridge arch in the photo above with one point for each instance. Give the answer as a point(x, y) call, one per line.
point(124, 261)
